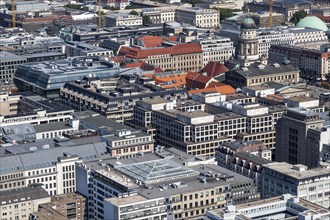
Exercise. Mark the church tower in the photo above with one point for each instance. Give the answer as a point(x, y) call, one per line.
point(247, 50)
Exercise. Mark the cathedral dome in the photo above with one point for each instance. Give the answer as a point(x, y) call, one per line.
point(312, 22)
point(248, 23)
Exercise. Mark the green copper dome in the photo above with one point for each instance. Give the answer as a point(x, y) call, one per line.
point(312, 22)
point(248, 23)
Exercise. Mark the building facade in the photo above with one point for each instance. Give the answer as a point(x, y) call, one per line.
point(8, 65)
point(312, 185)
point(116, 20)
point(199, 17)
point(291, 134)
point(313, 64)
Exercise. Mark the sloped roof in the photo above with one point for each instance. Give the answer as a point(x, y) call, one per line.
point(215, 87)
point(196, 80)
point(156, 170)
point(214, 69)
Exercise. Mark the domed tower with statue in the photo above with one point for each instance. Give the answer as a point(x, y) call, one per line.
point(247, 49)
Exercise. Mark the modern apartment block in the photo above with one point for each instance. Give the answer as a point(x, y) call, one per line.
point(8, 65)
point(313, 64)
point(166, 184)
point(285, 206)
point(199, 17)
point(188, 126)
point(19, 203)
point(291, 137)
point(312, 184)
point(116, 103)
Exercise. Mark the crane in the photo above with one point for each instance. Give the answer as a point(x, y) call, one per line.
point(270, 13)
point(13, 14)
point(99, 15)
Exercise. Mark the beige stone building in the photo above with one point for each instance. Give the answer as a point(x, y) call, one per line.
point(19, 203)
point(199, 17)
point(8, 104)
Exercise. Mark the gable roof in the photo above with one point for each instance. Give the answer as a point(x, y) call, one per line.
point(214, 69)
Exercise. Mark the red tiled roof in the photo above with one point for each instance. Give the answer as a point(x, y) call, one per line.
point(214, 69)
point(221, 88)
point(151, 41)
point(324, 18)
point(118, 59)
point(155, 41)
point(196, 80)
point(139, 53)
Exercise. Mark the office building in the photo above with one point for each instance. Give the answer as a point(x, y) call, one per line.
point(313, 64)
point(312, 184)
point(305, 36)
point(8, 104)
point(164, 184)
point(258, 74)
point(35, 110)
point(57, 73)
point(291, 134)
point(288, 8)
point(120, 19)
point(19, 203)
point(8, 65)
point(159, 15)
point(174, 56)
point(199, 17)
point(216, 49)
point(285, 206)
point(73, 49)
point(121, 140)
point(116, 103)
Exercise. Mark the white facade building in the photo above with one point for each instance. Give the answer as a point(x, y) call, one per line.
point(309, 184)
point(216, 49)
point(199, 17)
point(122, 20)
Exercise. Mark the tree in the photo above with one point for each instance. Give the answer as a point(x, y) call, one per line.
point(133, 12)
point(297, 16)
point(146, 20)
point(226, 13)
point(193, 2)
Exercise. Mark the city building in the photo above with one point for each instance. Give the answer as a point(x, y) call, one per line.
point(288, 8)
point(306, 35)
point(174, 56)
point(313, 64)
point(121, 140)
point(116, 103)
point(8, 104)
point(57, 73)
point(50, 163)
point(166, 184)
point(159, 15)
point(284, 206)
point(309, 184)
point(120, 19)
point(291, 134)
point(186, 125)
point(199, 17)
point(73, 49)
point(8, 65)
point(258, 74)
point(35, 110)
point(19, 203)
point(216, 49)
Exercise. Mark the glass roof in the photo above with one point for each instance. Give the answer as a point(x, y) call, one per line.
point(155, 171)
